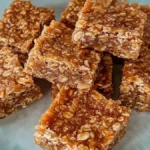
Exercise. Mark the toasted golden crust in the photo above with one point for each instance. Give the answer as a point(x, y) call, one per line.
point(17, 88)
point(55, 58)
point(81, 121)
point(115, 27)
point(22, 23)
point(103, 82)
point(135, 87)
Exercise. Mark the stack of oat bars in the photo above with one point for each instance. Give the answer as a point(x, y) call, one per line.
point(21, 24)
point(75, 55)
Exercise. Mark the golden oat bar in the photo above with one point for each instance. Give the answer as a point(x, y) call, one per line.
point(70, 15)
point(56, 59)
point(17, 89)
point(103, 81)
point(22, 23)
point(114, 27)
point(135, 87)
point(79, 121)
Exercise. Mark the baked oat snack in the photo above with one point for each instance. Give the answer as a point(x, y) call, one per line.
point(114, 27)
point(78, 121)
point(135, 87)
point(55, 58)
point(103, 81)
point(17, 89)
point(22, 23)
point(70, 15)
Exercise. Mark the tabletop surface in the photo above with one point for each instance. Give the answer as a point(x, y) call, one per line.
point(16, 131)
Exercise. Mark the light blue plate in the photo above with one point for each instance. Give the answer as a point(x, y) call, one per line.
point(16, 131)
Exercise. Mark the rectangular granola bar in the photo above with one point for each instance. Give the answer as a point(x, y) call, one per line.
point(55, 58)
point(70, 15)
point(79, 121)
point(17, 89)
point(103, 82)
point(135, 87)
point(22, 23)
point(114, 27)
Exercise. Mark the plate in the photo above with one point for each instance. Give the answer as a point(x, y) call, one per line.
point(16, 131)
